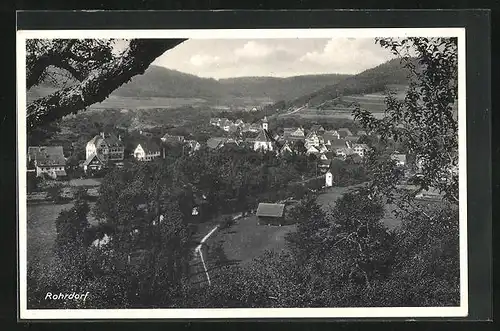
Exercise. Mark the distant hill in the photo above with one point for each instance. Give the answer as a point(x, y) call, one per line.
point(275, 88)
point(161, 82)
point(373, 80)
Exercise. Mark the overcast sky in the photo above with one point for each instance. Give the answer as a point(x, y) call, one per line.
point(222, 58)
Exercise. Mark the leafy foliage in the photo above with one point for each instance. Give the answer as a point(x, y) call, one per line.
point(426, 120)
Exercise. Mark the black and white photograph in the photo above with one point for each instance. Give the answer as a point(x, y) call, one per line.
point(242, 173)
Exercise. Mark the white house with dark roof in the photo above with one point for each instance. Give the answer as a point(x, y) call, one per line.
point(147, 150)
point(312, 150)
point(313, 139)
point(48, 160)
point(264, 142)
point(291, 134)
point(108, 148)
point(285, 148)
point(172, 139)
point(360, 149)
point(93, 162)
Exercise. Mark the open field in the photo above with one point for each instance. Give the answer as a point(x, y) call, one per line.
point(246, 239)
point(335, 113)
point(119, 102)
point(329, 197)
point(41, 229)
point(85, 182)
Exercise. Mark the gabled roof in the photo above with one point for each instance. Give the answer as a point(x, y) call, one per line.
point(329, 137)
point(215, 142)
point(294, 132)
point(47, 155)
point(317, 127)
point(352, 138)
point(337, 143)
point(149, 146)
point(264, 136)
point(311, 134)
point(113, 141)
point(361, 133)
point(344, 132)
point(110, 141)
point(95, 141)
point(285, 147)
point(270, 209)
point(312, 149)
point(91, 157)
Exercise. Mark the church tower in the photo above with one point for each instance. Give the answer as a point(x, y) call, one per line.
point(265, 124)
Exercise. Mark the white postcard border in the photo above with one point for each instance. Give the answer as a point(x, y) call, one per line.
point(228, 313)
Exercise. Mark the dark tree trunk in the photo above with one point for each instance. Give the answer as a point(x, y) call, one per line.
point(99, 84)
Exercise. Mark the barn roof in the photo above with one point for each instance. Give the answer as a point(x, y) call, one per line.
point(149, 146)
point(270, 209)
point(344, 132)
point(264, 136)
point(337, 143)
point(47, 155)
point(215, 142)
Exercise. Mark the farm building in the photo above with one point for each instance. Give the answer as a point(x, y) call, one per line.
point(271, 213)
point(47, 160)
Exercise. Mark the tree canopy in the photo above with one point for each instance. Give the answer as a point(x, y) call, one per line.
point(92, 65)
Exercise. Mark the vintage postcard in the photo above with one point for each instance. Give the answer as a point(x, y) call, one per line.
point(279, 173)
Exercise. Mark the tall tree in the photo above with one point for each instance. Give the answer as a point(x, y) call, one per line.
point(426, 120)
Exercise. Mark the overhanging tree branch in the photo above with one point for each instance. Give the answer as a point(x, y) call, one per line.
point(100, 82)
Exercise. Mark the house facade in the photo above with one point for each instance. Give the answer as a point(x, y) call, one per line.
point(291, 134)
point(313, 139)
point(107, 148)
point(93, 163)
point(172, 139)
point(360, 149)
point(146, 151)
point(264, 142)
point(328, 179)
point(47, 160)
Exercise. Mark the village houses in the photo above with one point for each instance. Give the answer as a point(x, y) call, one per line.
point(146, 150)
point(264, 141)
point(47, 160)
point(101, 151)
point(172, 139)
